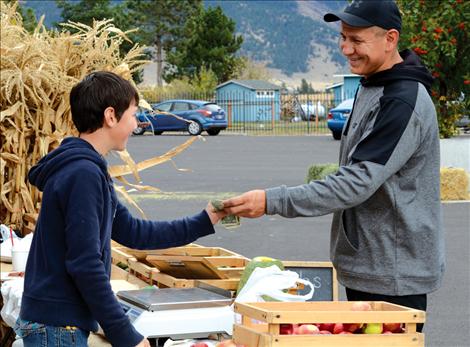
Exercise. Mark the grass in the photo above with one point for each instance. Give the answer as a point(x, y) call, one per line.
point(280, 128)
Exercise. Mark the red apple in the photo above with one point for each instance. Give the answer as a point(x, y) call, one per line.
point(296, 329)
point(200, 344)
point(345, 332)
point(325, 332)
point(352, 327)
point(327, 326)
point(361, 306)
point(387, 332)
point(393, 327)
point(308, 329)
point(287, 329)
point(226, 343)
point(338, 328)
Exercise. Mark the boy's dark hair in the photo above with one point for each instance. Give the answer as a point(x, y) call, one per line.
point(96, 92)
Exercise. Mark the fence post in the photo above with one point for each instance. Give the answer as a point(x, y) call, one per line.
point(229, 113)
point(272, 114)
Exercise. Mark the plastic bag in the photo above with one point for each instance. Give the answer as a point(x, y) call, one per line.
point(272, 281)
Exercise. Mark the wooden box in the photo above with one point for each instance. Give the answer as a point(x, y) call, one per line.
point(261, 323)
point(183, 267)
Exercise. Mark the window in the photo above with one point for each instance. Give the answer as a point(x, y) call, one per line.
point(265, 94)
point(181, 106)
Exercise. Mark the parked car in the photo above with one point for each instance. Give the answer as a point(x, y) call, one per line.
point(310, 110)
point(464, 123)
point(337, 117)
point(203, 116)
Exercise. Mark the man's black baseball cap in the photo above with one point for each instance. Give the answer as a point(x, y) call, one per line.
point(367, 13)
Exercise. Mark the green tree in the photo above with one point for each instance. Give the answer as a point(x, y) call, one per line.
point(437, 31)
point(160, 24)
point(85, 11)
point(209, 42)
point(305, 87)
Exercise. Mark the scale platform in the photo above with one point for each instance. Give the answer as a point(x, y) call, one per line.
point(178, 313)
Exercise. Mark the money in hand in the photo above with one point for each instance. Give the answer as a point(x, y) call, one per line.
point(230, 221)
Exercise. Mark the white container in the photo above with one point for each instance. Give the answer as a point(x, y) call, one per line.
point(19, 256)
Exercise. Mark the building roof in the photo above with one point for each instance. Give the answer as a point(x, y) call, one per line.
point(252, 84)
point(347, 75)
point(334, 86)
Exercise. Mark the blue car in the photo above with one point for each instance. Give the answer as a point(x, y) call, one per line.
point(193, 116)
point(337, 117)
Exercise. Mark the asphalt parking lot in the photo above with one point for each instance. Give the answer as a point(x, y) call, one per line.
point(226, 165)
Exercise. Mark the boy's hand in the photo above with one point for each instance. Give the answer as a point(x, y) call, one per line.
point(214, 215)
point(144, 343)
point(251, 204)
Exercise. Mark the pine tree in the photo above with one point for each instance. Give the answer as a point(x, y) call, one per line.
point(160, 24)
point(210, 42)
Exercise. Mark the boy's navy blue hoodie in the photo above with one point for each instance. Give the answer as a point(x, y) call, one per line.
point(67, 280)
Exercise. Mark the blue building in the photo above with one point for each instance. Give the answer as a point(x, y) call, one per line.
point(249, 100)
point(346, 89)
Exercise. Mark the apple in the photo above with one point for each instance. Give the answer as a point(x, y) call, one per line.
point(373, 328)
point(338, 328)
point(345, 332)
point(287, 329)
point(386, 332)
point(325, 332)
point(327, 326)
point(352, 327)
point(200, 344)
point(308, 329)
point(226, 343)
point(361, 306)
point(393, 327)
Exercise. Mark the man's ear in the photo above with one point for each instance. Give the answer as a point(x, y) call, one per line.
point(392, 39)
point(110, 119)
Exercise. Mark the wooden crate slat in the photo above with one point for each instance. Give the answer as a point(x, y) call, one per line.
point(254, 337)
point(252, 332)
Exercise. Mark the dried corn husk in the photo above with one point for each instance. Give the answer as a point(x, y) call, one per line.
point(37, 73)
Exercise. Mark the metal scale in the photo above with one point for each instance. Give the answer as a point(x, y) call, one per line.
point(179, 313)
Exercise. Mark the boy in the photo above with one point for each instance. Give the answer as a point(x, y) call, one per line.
point(67, 289)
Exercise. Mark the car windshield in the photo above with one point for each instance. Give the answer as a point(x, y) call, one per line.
point(164, 107)
point(346, 104)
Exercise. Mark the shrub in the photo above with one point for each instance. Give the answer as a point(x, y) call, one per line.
point(320, 171)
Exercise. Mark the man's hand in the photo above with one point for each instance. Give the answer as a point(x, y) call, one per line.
point(144, 343)
point(251, 204)
point(214, 215)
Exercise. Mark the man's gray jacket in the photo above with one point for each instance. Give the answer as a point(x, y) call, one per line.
point(386, 235)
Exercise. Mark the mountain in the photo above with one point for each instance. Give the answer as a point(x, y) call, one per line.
point(289, 37)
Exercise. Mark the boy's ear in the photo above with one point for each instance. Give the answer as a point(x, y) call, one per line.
point(110, 119)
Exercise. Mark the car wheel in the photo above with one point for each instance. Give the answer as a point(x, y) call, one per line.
point(336, 135)
point(158, 132)
point(138, 131)
point(213, 132)
point(194, 128)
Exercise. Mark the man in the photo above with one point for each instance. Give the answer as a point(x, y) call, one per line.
point(386, 237)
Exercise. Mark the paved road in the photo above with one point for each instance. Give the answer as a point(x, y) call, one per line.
point(228, 164)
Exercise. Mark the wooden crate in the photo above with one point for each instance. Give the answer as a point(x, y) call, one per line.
point(261, 321)
point(226, 266)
